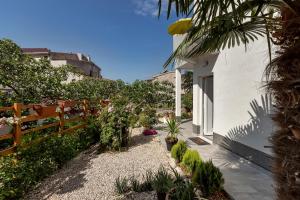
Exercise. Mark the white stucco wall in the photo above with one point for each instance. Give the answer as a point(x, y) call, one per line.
point(238, 79)
point(58, 63)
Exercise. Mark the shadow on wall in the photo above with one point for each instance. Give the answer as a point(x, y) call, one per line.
point(255, 134)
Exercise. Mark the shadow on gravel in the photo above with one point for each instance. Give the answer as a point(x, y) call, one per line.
point(71, 177)
point(140, 139)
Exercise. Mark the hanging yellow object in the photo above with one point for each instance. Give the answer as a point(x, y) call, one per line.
point(180, 27)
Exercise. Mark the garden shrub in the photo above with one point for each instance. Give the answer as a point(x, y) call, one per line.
point(182, 190)
point(114, 123)
point(208, 178)
point(148, 117)
point(178, 150)
point(162, 182)
point(190, 160)
point(146, 185)
point(187, 101)
point(25, 168)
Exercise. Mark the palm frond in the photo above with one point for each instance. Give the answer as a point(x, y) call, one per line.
point(222, 33)
point(223, 23)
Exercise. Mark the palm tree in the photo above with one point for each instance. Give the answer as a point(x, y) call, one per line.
point(226, 23)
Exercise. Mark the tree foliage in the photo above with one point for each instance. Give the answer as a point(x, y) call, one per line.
point(93, 88)
point(30, 80)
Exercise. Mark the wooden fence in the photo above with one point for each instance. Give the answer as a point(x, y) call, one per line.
point(41, 112)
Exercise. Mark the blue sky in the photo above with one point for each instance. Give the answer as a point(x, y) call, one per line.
point(124, 37)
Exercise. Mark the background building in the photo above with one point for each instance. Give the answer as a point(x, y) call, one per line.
point(78, 60)
point(164, 76)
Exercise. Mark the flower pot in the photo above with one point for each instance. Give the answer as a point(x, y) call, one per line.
point(161, 195)
point(46, 111)
point(170, 142)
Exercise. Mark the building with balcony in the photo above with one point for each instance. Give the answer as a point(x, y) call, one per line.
point(81, 62)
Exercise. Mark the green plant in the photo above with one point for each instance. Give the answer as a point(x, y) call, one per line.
point(187, 101)
point(122, 185)
point(162, 182)
point(183, 190)
point(208, 178)
point(114, 123)
point(148, 117)
point(178, 150)
point(135, 184)
point(190, 160)
point(25, 168)
point(146, 185)
point(172, 128)
point(186, 115)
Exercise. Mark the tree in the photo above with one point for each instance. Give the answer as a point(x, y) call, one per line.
point(227, 23)
point(93, 88)
point(29, 80)
point(187, 84)
point(144, 93)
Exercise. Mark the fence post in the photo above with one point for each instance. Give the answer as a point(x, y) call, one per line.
point(85, 109)
point(18, 131)
point(61, 118)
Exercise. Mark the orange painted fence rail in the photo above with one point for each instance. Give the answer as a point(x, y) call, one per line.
point(41, 112)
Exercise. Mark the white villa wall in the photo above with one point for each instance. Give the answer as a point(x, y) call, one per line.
point(238, 79)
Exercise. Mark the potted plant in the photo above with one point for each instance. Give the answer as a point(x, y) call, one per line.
point(173, 130)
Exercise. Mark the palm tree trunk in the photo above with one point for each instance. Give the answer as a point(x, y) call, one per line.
point(284, 84)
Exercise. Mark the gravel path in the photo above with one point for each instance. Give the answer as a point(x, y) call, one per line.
point(91, 176)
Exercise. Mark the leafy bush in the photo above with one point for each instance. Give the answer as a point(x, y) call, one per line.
point(25, 168)
point(190, 160)
point(186, 115)
point(148, 117)
point(122, 185)
point(208, 178)
point(187, 101)
point(114, 123)
point(178, 150)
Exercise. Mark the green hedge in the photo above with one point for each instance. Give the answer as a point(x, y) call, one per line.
point(22, 170)
point(208, 178)
point(178, 150)
point(190, 160)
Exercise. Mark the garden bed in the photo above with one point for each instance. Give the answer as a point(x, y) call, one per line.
point(92, 175)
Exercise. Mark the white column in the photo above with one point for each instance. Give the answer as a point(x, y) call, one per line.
point(197, 101)
point(178, 93)
point(195, 97)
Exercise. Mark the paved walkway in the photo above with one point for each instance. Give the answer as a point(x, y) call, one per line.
point(243, 179)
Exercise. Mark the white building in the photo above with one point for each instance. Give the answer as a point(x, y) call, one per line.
point(81, 62)
point(230, 107)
